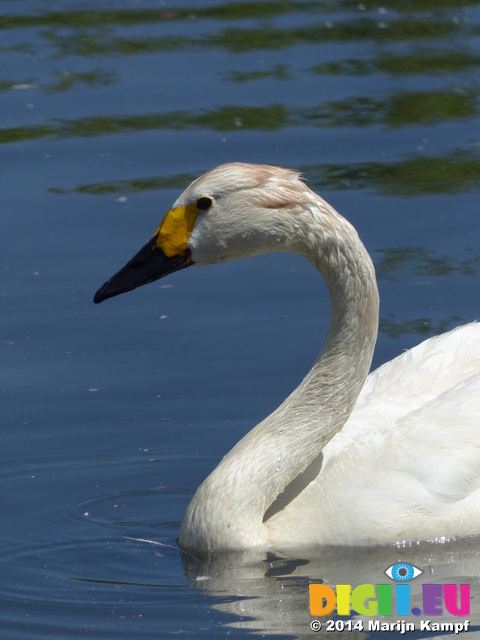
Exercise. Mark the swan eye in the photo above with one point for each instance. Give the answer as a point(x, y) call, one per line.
point(403, 572)
point(204, 203)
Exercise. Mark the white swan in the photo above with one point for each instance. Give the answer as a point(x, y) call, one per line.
point(346, 459)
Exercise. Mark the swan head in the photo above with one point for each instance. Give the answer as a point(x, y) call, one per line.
point(234, 211)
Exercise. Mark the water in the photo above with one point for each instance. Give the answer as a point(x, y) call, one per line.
point(112, 415)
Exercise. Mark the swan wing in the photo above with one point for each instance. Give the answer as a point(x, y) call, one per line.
point(421, 374)
point(439, 443)
point(420, 415)
point(407, 461)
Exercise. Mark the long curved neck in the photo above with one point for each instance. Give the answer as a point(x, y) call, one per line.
point(268, 458)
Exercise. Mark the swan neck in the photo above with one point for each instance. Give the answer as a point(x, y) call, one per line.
point(281, 447)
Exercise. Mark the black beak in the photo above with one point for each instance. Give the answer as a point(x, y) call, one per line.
point(149, 264)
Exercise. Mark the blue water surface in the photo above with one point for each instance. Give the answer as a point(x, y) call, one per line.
point(112, 415)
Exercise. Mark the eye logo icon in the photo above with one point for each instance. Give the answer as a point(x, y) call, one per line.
point(403, 572)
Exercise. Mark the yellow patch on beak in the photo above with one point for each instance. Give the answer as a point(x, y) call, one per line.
point(176, 228)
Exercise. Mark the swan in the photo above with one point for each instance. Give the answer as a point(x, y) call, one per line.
point(348, 458)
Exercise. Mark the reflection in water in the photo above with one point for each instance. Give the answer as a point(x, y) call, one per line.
point(422, 61)
point(63, 81)
point(279, 72)
point(66, 80)
point(269, 592)
point(454, 172)
point(396, 110)
point(402, 262)
point(94, 34)
point(401, 109)
point(176, 181)
point(228, 118)
point(451, 172)
point(91, 32)
point(420, 326)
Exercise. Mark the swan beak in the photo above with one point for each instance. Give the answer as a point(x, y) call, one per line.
point(148, 265)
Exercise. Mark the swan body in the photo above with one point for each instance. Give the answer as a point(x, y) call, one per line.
point(348, 458)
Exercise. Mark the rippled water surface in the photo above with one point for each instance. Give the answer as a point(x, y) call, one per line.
point(111, 416)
